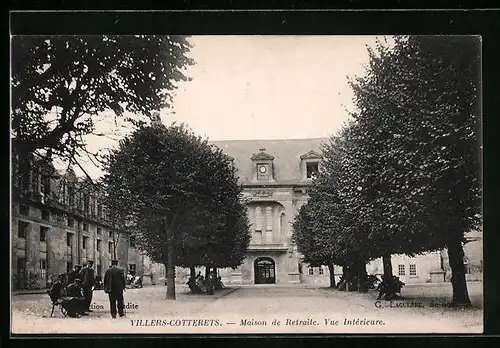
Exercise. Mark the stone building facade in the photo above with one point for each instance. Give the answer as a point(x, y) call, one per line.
point(275, 175)
point(58, 221)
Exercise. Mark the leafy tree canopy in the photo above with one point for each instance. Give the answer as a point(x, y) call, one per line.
point(168, 178)
point(61, 83)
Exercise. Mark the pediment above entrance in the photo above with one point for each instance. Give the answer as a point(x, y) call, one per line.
point(262, 156)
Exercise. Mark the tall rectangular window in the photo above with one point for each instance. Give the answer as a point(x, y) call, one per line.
point(258, 237)
point(69, 239)
point(43, 233)
point(132, 241)
point(413, 270)
point(311, 169)
point(45, 184)
point(401, 270)
point(110, 247)
point(71, 195)
point(22, 229)
point(85, 227)
point(86, 203)
point(85, 241)
point(269, 218)
point(99, 230)
point(43, 268)
point(321, 271)
point(62, 192)
point(69, 266)
point(92, 205)
point(35, 181)
point(98, 245)
point(99, 210)
point(21, 265)
point(311, 271)
point(258, 219)
point(71, 222)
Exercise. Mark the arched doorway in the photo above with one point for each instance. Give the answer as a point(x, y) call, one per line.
point(264, 271)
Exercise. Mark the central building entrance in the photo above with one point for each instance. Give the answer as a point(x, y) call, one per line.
point(264, 271)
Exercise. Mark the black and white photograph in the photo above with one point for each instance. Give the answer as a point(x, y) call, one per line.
point(246, 184)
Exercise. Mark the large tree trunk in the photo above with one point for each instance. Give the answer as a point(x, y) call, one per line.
point(361, 275)
point(210, 284)
point(332, 275)
point(170, 266)
point(387, 264)
point(192, 271)
point(456, 257)
point(348, 276)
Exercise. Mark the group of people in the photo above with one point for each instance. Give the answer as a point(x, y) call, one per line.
point(202, 285)
point(390, 289)
point(75, 289)
point(133, 280)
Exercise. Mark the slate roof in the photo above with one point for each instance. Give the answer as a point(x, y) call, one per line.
point(286, 152)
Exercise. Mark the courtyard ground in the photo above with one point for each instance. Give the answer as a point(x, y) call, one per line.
point(260, 309)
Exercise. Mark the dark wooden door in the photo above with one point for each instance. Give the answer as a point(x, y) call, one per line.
point(264, 271)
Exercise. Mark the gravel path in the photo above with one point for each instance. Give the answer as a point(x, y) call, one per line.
point(257, 309)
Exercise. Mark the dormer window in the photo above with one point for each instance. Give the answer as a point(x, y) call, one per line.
point(312, 169)
point(263, 166)
point(310, 165)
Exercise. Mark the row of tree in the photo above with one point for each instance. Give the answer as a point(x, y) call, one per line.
point(178, 193)
point(63, 85)
point(181, 196)
point(403, 176)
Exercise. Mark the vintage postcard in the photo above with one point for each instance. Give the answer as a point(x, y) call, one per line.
point(246, 184)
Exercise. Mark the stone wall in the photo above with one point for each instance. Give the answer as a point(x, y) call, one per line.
point(55, 251)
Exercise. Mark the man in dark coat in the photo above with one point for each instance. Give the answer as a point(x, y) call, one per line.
point(88, 283)
point(114, 285)
point(58, 288)
point(76, 300)
point(72, 275)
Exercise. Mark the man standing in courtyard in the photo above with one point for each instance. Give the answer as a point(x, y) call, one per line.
point(88, 283)
point(73, 274)
point(114, 285)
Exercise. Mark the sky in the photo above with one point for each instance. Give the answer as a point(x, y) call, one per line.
point(260, 87)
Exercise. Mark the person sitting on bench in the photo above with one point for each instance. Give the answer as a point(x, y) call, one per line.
point(57, 292)
point(219, 284)
point(76, 299)
point(200, 283)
